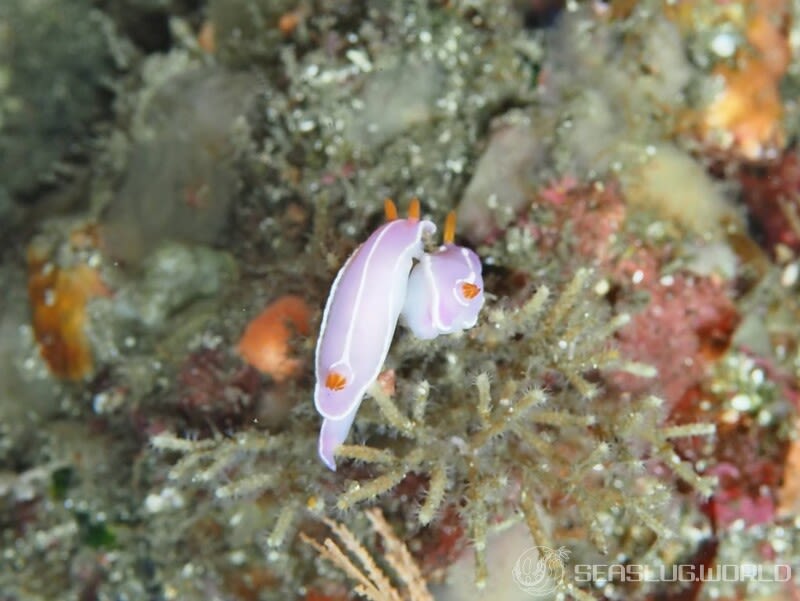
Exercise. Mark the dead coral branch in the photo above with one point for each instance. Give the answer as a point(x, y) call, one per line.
point(350, 556)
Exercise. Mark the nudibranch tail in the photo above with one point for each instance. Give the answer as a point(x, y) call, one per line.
point(332, 434)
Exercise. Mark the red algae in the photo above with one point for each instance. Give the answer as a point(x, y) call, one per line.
point(213, 392)
point(734, 500)
point(772, 196)
point(751, 464)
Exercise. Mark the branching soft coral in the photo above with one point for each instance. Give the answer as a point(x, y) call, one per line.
point(239, 467)
point(532, 434)
point(535, 431)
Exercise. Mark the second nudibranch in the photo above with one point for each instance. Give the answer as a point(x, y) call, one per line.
point(445, 289)
point(359, 321)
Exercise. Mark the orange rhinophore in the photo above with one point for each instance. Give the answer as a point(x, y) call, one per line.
point(414, 209)
point(265, 342)
point(449, 236)
point(390, 209)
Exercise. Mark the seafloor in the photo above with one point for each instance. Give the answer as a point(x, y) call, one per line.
point(181, 181)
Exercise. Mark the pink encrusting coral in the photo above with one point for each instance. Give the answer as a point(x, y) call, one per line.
point(751, 460)
point(685, 326)
point(735, 502)
point(589, 215)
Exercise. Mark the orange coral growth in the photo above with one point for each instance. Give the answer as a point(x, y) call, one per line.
point(289, 21)
point(387, 380)
point(789, 495)
point(58, 298)
point(265, 342)
point(749, 109)
point(770, 38)
point(207, 37)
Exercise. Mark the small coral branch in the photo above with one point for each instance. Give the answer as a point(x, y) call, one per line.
point(243, 467)
point(357, 562)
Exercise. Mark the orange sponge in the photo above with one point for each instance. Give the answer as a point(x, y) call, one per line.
point(265, 342)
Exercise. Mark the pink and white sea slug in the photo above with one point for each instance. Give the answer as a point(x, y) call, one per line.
point(360, 319)
point(445, 289)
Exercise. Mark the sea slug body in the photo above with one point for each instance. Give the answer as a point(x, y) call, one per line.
point(445, 289)
point(332, 434)
point(359, 321)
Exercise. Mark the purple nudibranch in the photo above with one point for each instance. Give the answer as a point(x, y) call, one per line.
point(359, 321)
point(441, 294)
point(445, 289)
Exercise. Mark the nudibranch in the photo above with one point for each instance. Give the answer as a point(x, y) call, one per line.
point(359, 321)
point(445, 289)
